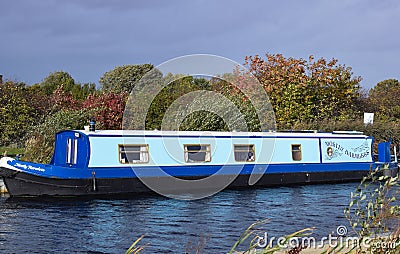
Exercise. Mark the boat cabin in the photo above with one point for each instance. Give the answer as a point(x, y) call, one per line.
point(107, 148)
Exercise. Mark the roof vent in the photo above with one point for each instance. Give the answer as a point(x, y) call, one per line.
point(92, 125)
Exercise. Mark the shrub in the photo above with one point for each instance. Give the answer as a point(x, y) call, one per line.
point(40, 139)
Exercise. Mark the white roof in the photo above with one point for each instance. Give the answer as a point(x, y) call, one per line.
point(220, 133)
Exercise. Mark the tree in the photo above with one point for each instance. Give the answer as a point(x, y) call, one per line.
point(175, 89)
point(86, 90)
point(123, 78)
point(384, 98)
point(63, 79)
point(39, 101)
point(16, 115)
point(307, 90)
point(188, 103)
point(56, 79)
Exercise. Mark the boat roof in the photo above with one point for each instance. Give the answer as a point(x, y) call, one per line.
point(305, 133)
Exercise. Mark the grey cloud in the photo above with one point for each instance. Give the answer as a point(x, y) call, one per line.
point(90, 37)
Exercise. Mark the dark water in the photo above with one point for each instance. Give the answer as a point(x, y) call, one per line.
point(111, 226)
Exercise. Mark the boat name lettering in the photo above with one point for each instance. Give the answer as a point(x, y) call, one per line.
point(334, 144)
point(29, 167)
point(356, 155)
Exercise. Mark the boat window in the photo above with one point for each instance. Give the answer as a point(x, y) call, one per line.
point(75, 151)
point(197, 153)
point(296, 152)
point(72, 151)
point(133, 154)
point(244, 152)
point(69, 151)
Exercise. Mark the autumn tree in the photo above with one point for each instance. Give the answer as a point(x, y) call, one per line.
point(107, 108)
point(384, 98)
point(123, 78)
point(61, 99)
point(306, 90)
point(39, 101)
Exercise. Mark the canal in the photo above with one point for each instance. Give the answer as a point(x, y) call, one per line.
point(169, 226)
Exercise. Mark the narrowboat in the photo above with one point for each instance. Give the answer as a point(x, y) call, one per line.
point(111, 162)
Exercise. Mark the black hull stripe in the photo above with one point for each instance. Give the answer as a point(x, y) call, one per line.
point(22, 184)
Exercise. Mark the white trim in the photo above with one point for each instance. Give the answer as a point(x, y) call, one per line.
point(74, 159)
point(69, 151)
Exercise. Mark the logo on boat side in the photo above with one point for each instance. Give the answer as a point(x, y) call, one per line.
point(335, 150)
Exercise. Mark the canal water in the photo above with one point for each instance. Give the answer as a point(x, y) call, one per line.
point(169, 225)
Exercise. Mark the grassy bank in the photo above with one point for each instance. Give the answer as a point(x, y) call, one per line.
point(11, 150)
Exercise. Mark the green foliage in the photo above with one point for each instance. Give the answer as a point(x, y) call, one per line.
point(40, 142)
point(173, 91)
point(190, 103)
point(203, 121)
point(372, 211)
point(81, 92)
point(16, 115)
point(123, 78)
point(39, 101)
point(241, 101)
point(64, 80)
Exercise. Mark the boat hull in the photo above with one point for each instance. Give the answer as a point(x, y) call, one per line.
point(24, 184)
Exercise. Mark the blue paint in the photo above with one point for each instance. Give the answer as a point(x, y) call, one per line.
point(190, 170)
point(384, 152)
point(79, 154)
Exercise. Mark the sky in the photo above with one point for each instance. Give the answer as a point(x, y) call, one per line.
point(87, 38)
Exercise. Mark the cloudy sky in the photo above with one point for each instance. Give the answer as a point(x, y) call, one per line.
point(89, 37)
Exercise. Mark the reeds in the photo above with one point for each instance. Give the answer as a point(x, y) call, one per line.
point(134, 249)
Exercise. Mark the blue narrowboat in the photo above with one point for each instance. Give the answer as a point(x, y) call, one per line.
point(109, 162)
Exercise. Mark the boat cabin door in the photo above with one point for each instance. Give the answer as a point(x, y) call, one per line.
point(71, 150)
